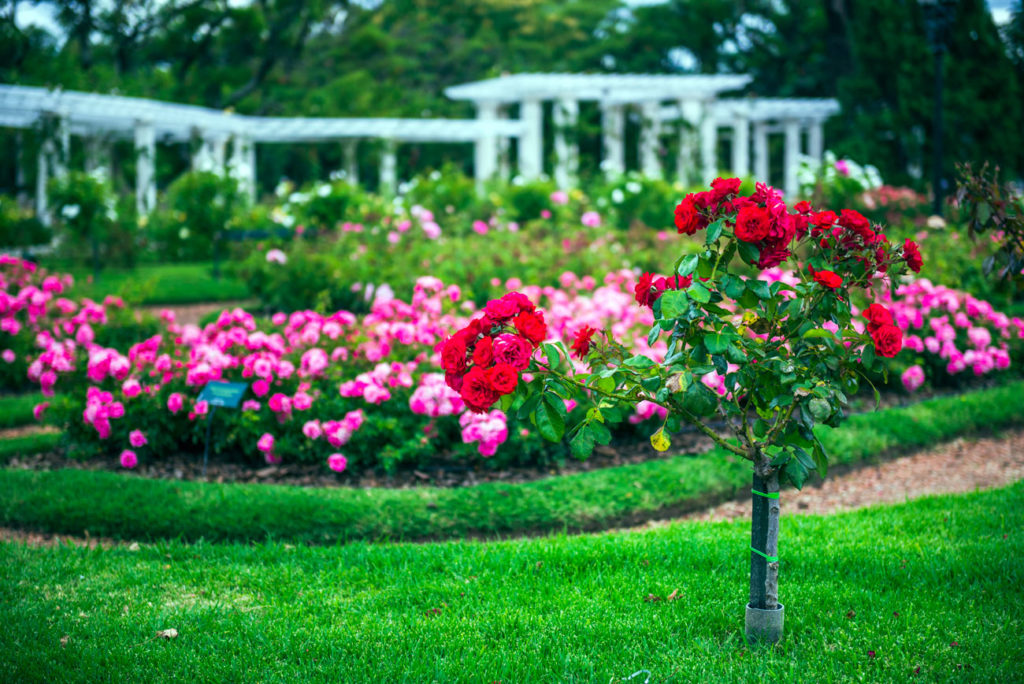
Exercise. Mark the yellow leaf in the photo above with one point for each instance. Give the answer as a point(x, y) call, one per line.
point(660, 441)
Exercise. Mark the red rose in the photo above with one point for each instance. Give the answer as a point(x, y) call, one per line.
point(824, 219)
point(771, 256)
point(877, 316)
point(726, 186)
point(501, 309)
point(643, 291)
point(476, 391)
point(802, 207)
point(672, 283)
point(453, 355)
point(688, 219)
point(888, 340)
point(503, 378)
point(483, 354)
point(855, 222)
point(752, 224)
point(532, 327)
point(513, 350)
point(581, 344)
point(521, 301)
point(912, 255)
point(828, 279)
point(454, 380)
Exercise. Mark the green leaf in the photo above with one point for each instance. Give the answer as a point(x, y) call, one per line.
point(652, 383)
point(717, 343)
point(528, 407)
point(606, 384)
point(733, 286)
point(818, 332)
point(760, 288)
point(820, 458)
point(714, 232)
point(640, 361)
point(549, 419)
point(820, 409)
point(674, 303)
point(796, 473)
point(594, 414)
point(699, 292)
point(699, 400)
point(688, 265)
point(749, 253)
point(652, 336)
point(582, 443)
point(551, 351)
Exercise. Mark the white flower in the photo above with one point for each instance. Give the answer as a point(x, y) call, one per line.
point(633, 187)
point(618, 196)
point(70, 211)
point(435, 175)
point(183, 233)
point(276, 256)
point(323, 191)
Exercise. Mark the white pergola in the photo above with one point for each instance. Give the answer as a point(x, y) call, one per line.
point(101, 119)
point(659, 99)
point(693, 100)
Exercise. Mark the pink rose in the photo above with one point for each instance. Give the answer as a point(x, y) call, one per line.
point(129, 459)
point(137, 439)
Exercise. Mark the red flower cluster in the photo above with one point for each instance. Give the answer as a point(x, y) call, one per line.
point(828, 279)
point(699, 209)
point(850, 236)
point(888, 338)
point(483, 360)
point(649, 287)
point(912, 255)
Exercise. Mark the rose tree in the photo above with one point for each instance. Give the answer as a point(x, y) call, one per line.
point(789, 354)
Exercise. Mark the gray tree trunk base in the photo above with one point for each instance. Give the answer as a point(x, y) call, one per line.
point(765, 627)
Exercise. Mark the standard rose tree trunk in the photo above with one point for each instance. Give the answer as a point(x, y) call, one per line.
point(764, 613)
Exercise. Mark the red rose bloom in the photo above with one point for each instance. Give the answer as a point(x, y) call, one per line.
point(771, 256)
point(672, 283)
point(453, 354)
point(877, 316)
point(581, 344)
point(501, 309)
point(752, 224)
point(802, 207)
point(513, 350)
point(477, 391)
point(521, 301)
point(829, 279)
point(688, 219)
point(912, 254)
point(726, 186)
point(888, 340)
point(643, 290)
point(454, 380)
point(854, 220)
point(532, 327)
point(503, 378)
point(483, 354)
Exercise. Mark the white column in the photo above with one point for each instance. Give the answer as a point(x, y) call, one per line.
point(98, 157)
point(242, 165)
point(792, 130)
point(650, 139)
point(708, 145)
point(218, 145)
point(567, 151)
point(504, 148)
point(761, 167)
point(52, 159)
point(741, 146)
point(531, 143)
point(350, 154)
point(691, 112)
point(145, 167)
point(815, 140)
point(202, 153)
point(613, 149)
point(485, 149)
point(389, 169)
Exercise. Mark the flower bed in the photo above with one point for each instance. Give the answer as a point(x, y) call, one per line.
point(361, 392)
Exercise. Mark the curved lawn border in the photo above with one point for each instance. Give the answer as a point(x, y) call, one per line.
point(122, 506)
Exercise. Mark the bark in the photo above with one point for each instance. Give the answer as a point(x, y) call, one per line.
point(771, 581)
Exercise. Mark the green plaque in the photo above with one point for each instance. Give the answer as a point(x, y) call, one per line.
point(226, 394)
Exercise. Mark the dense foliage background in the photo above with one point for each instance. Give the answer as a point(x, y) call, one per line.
point(370, 58)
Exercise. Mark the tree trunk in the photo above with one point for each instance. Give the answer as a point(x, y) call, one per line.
point(764, 539)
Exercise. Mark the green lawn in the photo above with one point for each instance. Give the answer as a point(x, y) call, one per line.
point(16, 410)
point(871, 596)
point(131, 507)
point(153, 284)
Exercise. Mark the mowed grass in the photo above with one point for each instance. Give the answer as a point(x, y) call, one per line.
point(16, 409)
point(870, 596)
point(130, 507)
point(154, 284)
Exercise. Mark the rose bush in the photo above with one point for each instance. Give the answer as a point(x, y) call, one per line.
point(789, 352)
